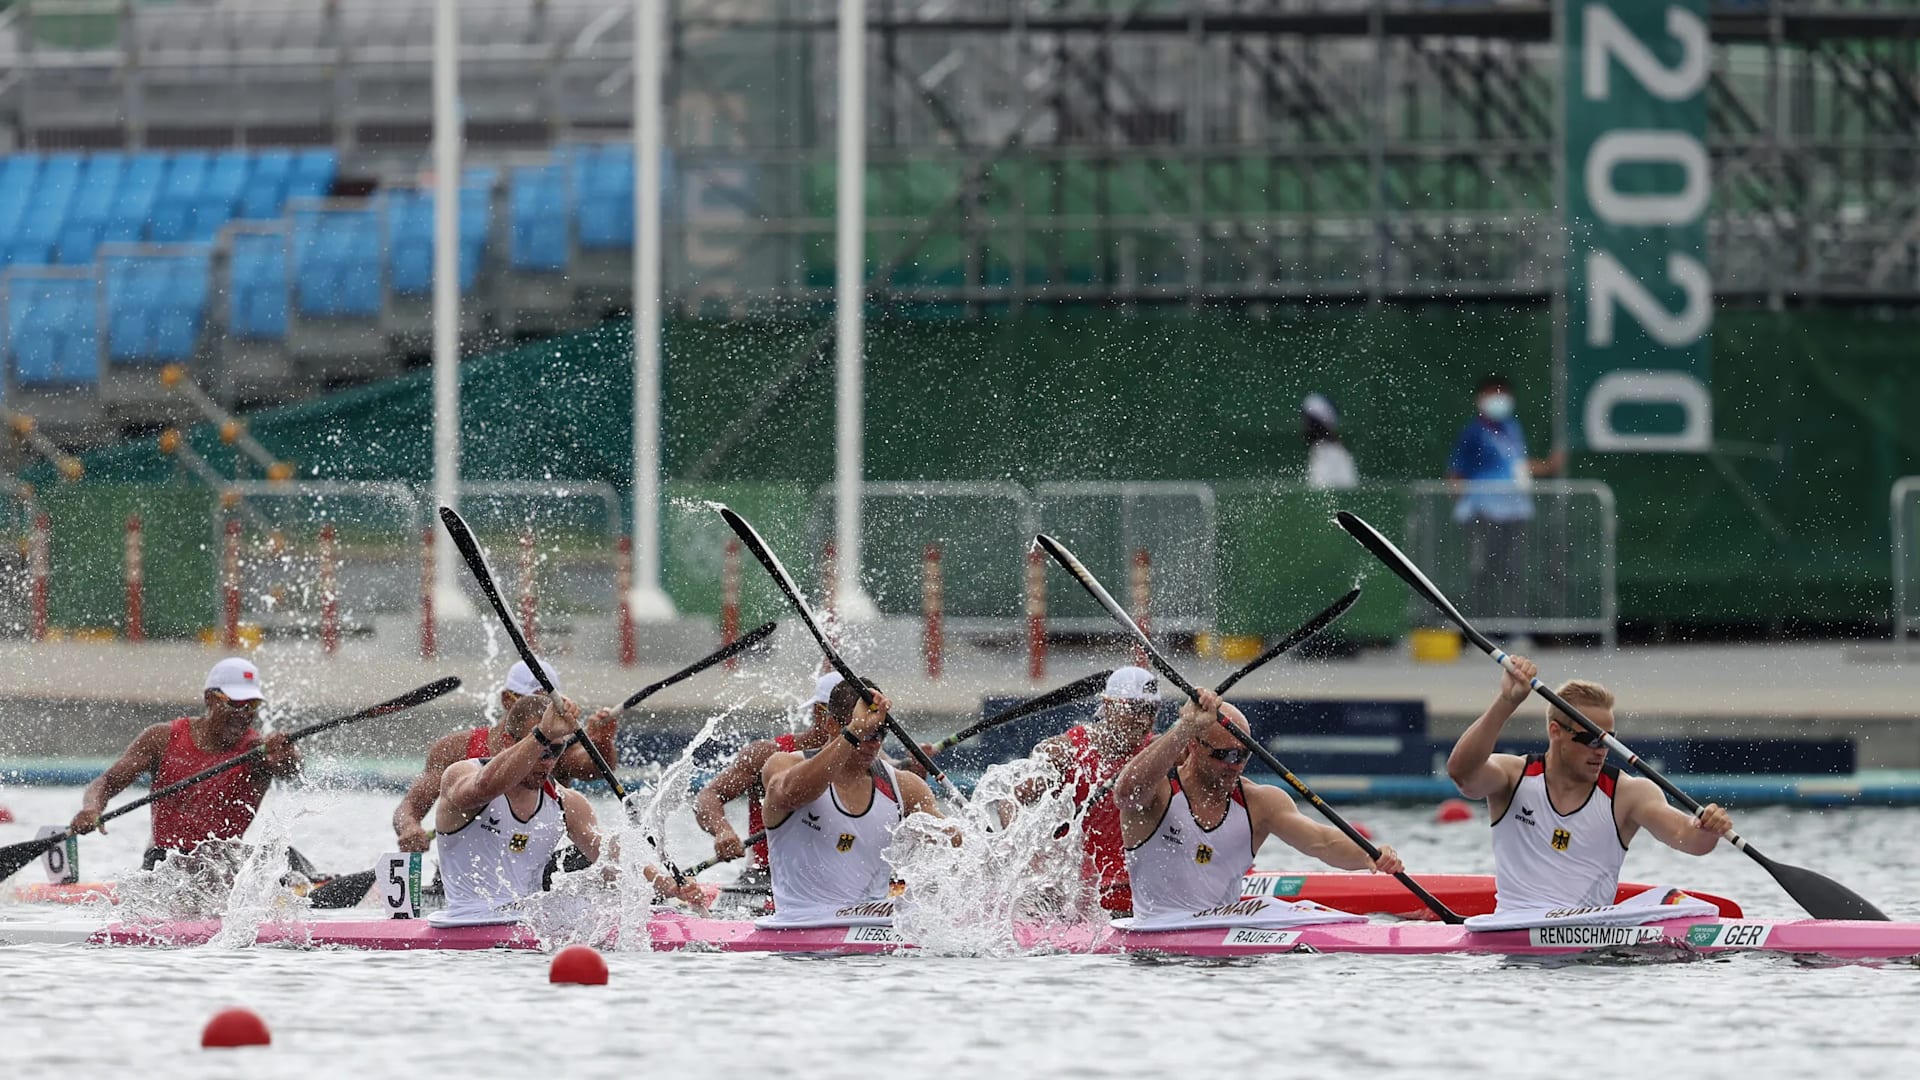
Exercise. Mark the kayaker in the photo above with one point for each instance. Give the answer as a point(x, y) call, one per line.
point(1547, 859)
point(410, 816)
point(1088, 757)
point(742, 777)
point(1192, 825)
point(501, 818)
point(219, 808)
point(831, 814)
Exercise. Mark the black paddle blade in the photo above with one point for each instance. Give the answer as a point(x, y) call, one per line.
point(1294, 640)
point(469, 549)
point(1397, 561)
point(341, 892)
point(14, 857)
point(733, 648)
point(1821, 896)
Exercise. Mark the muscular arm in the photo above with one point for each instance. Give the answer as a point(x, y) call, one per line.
point(142, 756)
point(710, 806)
point(419, 799)
point(468, 786)
point(916, 797)
point(575, 764)
point(792, 781)
point(1646, 808)
point(1141, 791)
point(1473, 767)
point(1274, 813)
point(583, 828)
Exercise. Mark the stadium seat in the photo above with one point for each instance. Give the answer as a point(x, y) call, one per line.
point(46, 213)
point(257, 293)
point(171, 220)
point(602, 177)
point(410, 225)
point(52, 332)
point(155, 304)
point(337, 264)
point(139, 187)
point(265, 193)
point(538, 238)
point(219, 198)
point(311, 174)
point(92, 205)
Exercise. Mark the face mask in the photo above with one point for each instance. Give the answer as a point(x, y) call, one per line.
point(1497, 407)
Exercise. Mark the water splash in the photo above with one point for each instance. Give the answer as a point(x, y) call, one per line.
point(1009, 870)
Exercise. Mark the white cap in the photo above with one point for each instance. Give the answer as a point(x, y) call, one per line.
point(520, 678)
point(823, 687)
point(237, 679)
point(1132, 684)
point(1320, 408)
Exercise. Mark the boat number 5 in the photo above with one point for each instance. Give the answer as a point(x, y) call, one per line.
point(400, 883)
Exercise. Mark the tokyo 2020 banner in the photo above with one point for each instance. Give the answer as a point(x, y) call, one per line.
point(1639, 300)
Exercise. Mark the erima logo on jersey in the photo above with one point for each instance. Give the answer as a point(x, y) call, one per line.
point(1173, 834)
point(811, 821)
point(1562, 839)
point(491, 824)
point(519, 843)
point(1526, 815)
point(845, 843)
point(1203, 854)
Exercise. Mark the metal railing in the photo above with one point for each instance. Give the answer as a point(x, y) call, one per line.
point(1109, 525)
point(1518, 559)
point(1905, 500)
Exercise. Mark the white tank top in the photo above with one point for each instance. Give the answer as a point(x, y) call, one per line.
point(1182, 867)
point(1544, 861)
point(823, 859)
point(497, 859)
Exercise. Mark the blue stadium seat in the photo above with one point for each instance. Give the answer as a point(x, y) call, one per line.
point(337, 263)
point(265, 193)
point(46, 213)
point(219, 198)
point(19, 171)
point(257, 296)
point(311, 175)
point(156, 305)
point(410, 225)
point(139, 188)
point(171, 220)
point(92, 204)
point(52, 331)
point(538, 239)
point(602, 178)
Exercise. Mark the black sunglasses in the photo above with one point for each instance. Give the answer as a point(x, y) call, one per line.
point(1581, 736)
point(1231, 755)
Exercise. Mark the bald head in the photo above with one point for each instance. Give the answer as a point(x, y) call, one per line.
point(1215, 736)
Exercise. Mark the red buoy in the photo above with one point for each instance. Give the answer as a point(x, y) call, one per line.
point(236, 1027)
point(579, 965)
point(6, 816)
point(1454, 810)
point(1361, 829)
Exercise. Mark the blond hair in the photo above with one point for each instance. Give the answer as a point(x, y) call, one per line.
point(1578, 692)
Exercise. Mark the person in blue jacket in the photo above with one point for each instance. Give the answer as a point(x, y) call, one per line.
point(1492, 477)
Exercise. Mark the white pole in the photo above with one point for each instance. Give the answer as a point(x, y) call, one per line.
point(449, 600)
point(850, 291)
point(647, 601)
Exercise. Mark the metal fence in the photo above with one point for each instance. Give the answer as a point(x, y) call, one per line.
point(1905, 498)
point(1109, 525)
point(982, 530)
point(1518, 559)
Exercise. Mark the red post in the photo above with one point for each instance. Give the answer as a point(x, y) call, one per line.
point(39, 567)
point(428, 646)
point(1142, 589)
point(135, 572)
point(624, 581)
point(329, 593)
point(730, 598)
point(528, 611)
point(230, 586)
point(933, 607)
point(1036, 615)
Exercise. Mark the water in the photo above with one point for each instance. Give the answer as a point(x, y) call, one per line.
point(87, 1011)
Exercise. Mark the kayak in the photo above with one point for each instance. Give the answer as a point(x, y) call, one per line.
point(672, 931)
point(1365, 893)
point(1360, 893)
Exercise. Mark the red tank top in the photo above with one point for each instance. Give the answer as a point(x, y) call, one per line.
point(219, 808)
point(477, 743)
point(1106, 853)
point(756, 821)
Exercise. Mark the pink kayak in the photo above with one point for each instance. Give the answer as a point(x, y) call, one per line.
point(669, 932)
